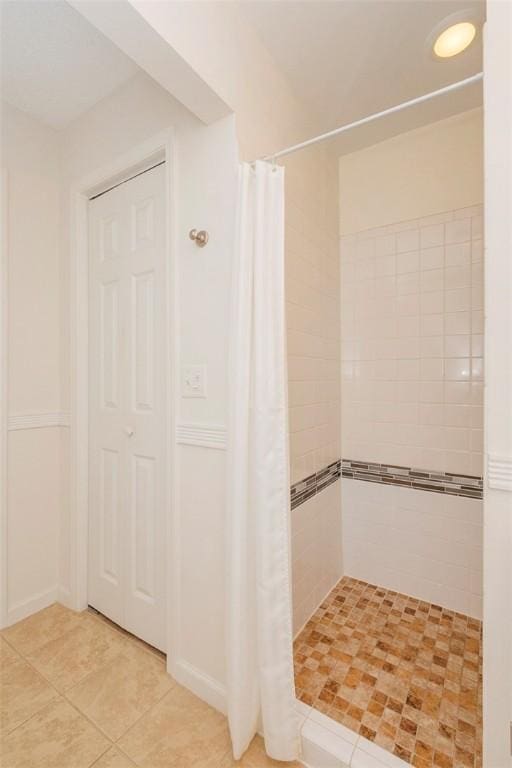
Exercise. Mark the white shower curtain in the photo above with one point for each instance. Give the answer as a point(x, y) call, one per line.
point(260, 680)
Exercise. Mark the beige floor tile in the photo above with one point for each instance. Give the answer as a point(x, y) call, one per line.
point(23, 692)
point(69, 658)
point(57, 737)
point(7, 654)
point(135, 641)
point(113, 759)
point(256, 757)
point(41, 627)
point(180, 731)
point(117, 695)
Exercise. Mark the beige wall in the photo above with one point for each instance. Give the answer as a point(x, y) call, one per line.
point(226, 52)
point(30, 156)
point(430, 170)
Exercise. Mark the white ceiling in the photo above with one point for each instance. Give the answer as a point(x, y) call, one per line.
point(346, 59)
point(55, 65)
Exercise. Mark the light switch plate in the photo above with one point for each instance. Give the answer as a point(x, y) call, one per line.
point(193, 381)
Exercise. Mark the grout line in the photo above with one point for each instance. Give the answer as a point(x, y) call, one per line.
point(96, 761)
point(63, 696)
point(130, 727)
point(60, 694)
point(361, 742)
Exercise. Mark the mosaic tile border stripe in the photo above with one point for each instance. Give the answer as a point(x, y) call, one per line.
point(421, 479)
point(306, 489)
point(469, 486)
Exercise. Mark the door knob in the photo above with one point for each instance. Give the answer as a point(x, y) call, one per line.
point(129, 431)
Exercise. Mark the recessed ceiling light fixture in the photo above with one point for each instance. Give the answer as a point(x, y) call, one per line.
point(454, 34)
point(454, 39)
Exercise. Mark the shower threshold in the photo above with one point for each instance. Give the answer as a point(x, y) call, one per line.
point(392, 676)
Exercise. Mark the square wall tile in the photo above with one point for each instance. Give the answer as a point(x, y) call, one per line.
point(420, 324)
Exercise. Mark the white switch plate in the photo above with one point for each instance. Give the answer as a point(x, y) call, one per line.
point(193, 381)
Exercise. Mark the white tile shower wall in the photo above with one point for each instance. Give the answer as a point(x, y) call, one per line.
point(412, 343)
point(316, 551)
point(312, 311)
point(313, 339)
point(426, 545)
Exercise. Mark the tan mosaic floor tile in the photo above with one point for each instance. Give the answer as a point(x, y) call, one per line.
point(403, 673)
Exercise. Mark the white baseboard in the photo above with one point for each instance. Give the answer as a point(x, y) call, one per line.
point(25, 608)
point(203, 686)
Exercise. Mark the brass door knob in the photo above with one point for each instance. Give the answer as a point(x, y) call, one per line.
point(200, 238)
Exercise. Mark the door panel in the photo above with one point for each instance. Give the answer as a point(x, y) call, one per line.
point(144, 342)
point(109, 343)
point(109, 512)
point(127, 405)
point(143, 574)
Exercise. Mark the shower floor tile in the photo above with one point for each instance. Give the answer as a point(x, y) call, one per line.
point(401, 672)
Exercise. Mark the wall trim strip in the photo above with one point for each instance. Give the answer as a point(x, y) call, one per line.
point(499, 472)
point(203, 435)
point(310, 486)
point(38, 420)
point(470, 486)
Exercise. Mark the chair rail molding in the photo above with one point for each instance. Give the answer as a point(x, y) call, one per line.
point(38, 420)
point(499, 472)
point(202, 435)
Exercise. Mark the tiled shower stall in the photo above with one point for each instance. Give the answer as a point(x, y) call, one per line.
point(385, 359)
point(412, 393)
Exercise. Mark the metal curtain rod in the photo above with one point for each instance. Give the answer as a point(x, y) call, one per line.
point(377, 116)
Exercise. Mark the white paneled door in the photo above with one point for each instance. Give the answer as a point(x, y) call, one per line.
point(127, 405)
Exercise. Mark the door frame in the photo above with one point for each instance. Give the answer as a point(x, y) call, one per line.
point(4, 391)
point(140, 158)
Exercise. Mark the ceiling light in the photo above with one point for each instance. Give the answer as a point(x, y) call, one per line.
point(454, 39)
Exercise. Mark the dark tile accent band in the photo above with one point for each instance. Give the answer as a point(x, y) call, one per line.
point(469, 486)
point(305, 489)
point(420, 479)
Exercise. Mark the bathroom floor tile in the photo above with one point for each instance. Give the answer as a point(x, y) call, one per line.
point(256, 757)
point(56, 737)
point(42, 627)
point(7, 654)
point(180, 730)
point(86, 648)
point(404, 674)
point(118, 707)
point(23, 692)
point(113, 759)
point(114, 697)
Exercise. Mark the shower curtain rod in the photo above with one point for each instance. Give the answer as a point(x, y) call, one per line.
point(376, 116)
